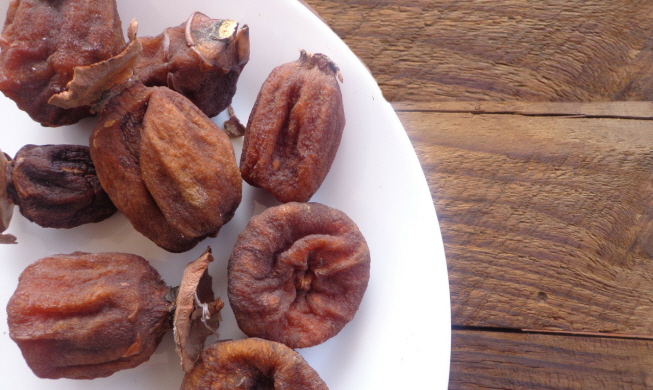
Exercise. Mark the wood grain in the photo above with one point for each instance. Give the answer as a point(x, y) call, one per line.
point(547, 220)
point(493, 360)
point(554, 50)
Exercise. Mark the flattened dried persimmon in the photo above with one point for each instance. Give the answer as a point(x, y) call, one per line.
point(43, 41)
point(251, 363)
point(297, 274)
point(88, 315)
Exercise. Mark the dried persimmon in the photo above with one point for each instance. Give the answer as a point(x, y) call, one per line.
point(297, 274)
point(251, 363)
point(87, 315)
point(43, 41)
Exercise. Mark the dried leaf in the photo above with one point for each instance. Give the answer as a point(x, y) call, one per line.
point(91, 82)
point(197, 315)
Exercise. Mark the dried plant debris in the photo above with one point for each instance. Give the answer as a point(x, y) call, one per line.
point(297, 274)
point(197, 315)
point(251, 363)
point(43, 41)
point(56, 186)
point(6, 205)
point(165, 165)
point(201, 59)
point(87, 315)
point(294, 129)
point(232, 126)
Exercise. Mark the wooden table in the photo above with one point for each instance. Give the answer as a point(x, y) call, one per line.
point(533, 126)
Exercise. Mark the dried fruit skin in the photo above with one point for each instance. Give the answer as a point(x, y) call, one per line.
point(88, 315)
point(252, 363)
point(56, 186)
point(297, 274)
point(201, 59)
point(294, 129)
point(43, 41)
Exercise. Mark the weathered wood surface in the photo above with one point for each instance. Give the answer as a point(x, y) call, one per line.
point(492, 360)
point(547, 220)
point(554, 50)
point(546, 214)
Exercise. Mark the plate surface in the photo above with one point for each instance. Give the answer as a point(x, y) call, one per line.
point(400, 337)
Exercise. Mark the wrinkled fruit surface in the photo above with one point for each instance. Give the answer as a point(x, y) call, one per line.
point(88, 315)
point(201, 59)
point(166, 166)
point(43, 41)
point(294, 129)
point(56, 186)
point(297, 274)
point(252, 363)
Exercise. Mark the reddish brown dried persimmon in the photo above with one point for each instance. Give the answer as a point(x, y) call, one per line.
point(297, 274)
point(165, 165)
point(294, 129)
point(88, 315)
point(252, 363)
point(56, 186)
point(201, 59)
point(43, 41)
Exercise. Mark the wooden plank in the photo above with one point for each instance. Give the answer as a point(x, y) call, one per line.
point(493, 360)
point(547, 221)
point(558, 50)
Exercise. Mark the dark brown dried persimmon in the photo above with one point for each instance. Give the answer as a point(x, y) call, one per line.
point(43, 41)
point(297, 274)
point(201, 59)
point(252, 363)
point(56, 186)
point(88, 315)
point(6, 205)
point(294, 129)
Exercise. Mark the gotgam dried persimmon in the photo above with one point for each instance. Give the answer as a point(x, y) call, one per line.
point(201, 59)
point(87, 315)
point(294, 129)
point(165, 165)
point(297, 274)
point(56, 186)
point(251, 363)
point(6, 205)
point(43, 41)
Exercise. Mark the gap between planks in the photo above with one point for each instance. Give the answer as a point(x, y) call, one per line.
point(601, 110)
point(551, 332)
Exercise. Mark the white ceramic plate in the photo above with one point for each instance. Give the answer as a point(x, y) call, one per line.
point(400, 337)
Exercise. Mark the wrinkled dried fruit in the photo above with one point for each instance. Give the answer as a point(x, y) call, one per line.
point(201, 59)
point(88, 315)
point(252, 363)
point(294, 129)
point(56, 186)
point(6, 205)
point(43, 41)
point(165, 165)
point(297, 274)
point(197, 315)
